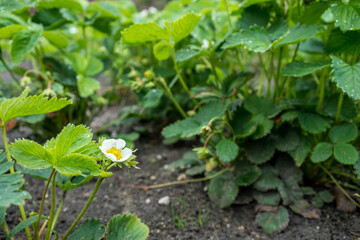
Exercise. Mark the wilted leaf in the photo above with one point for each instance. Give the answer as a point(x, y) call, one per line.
point(273, 221)
point(223, 190)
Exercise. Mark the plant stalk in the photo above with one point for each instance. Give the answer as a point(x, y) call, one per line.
point(52, 210)
point(338, 110)
point(98, 183)
point(21, 207)
point(37, 226)
point(59, 210)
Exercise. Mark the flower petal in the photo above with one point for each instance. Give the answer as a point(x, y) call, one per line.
point(126, 153)
point(107, 144)
point(112, 157)
point(120, 144)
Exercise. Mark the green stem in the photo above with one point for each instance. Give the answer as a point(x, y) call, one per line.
point(52, 210)
point(228, 13)
point(278, 89)
point(338, 110)
point(21, 207)
point(98, 183)
point(321, 91)
point(6, 229)
point(12, 74)
point(271, 63)
point(339, 186)
point(348, 175)
point(37, 225)
point(59, 210)
point(169, 94)
point(182, 82)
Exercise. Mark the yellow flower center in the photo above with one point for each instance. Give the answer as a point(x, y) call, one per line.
point(116, 152)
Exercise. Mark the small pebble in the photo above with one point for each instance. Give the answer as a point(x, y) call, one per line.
point(159, 157)
point(152, 177)
point(148, 200)
point(241, 228)
point(228, 225)
point(65, 209)
point(317, 227)
point(181, 177)
point(164, 201)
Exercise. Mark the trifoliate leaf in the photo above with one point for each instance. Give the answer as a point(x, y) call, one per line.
point(162, 50)
point(273, 221)
point(74, 164)
point(223, 190)
point(299, 69)
point(347, 77)
point(126, 226)
point(313, 123)
point(227, 150)
point(246, 173)
point(322, 152)
point(182, 27)
point(345, 132)
point(91, 229)
point(25, 106)
point(260, 151)
point(11, 186)
point(346, 16)
point(299, 33)
point(254, 39)
point(345, 153)
point(144, 32)
point(87, 85)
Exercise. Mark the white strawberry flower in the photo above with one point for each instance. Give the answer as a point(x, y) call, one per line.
point(115, 150)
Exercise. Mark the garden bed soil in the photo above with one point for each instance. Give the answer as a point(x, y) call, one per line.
point(236, 222)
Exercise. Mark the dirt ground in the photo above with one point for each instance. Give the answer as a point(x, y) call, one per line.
point(236, 222)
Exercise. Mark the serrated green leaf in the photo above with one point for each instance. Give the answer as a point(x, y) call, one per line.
point(91, 229)
point(287, 169)
point(343, 42)
point(56, 38)
point(23, 225)
point(8, 32)
point(210, 110)
point(345, 132)
point(223, 190)
point(162, 50)
point(287, 139)
point(308, 191)
point(267, 182)
point(260, 151)
point(239, 121)
point(127, 227)
point(277, 30)
point(87, 85)
point(262, 125)
point(271, 198)
point(25, 106)
point(313, 123)
point(186, 54)
point(299, 69)
point(322, 152)
point(235, 81)
point(69, 4)
point(74, 164)
point(348, 107)
point(326, 196)
point(93, 66)
point(22, 43)
point(144, 32)
point(345, 153)
point(299, 33)
point(246, 173)
point(347, 77)
point(227, 150)
point(11, 186)
point(196, 170)
point(254, 15)
point(273, 221)
point(183, 128)
point(261, 105)
point(313, 12)
point(182, 27)
point(317, 201)
point(152, 98)
point(254, 39)
point(346, 16)
point(248, 3)
point(31, 155)
point(301, 152)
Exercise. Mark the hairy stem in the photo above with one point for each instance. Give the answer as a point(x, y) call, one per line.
point(37, 225)
point(98, 183)
point(52, 210)
point(338, 110)
point(59, 210)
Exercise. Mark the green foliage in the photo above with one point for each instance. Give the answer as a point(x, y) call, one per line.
point(91, 229)
point(11, 185)
point(261, 105)
point(67, 153)
point(313, 123)
point(126, 226)
point(345, 153)
point(322, 152)
point(25, 106)
point(223, 190)
point(144, 32)
point(346, 16)
point(345, 132)
point(260, 151)
point(346, 77)
point(227, 150)
point(245, 173)
point(273, 221)
point(162, 50)
point(299, 69)
point(182, 27)
point(21, 226)
point(298, 33)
